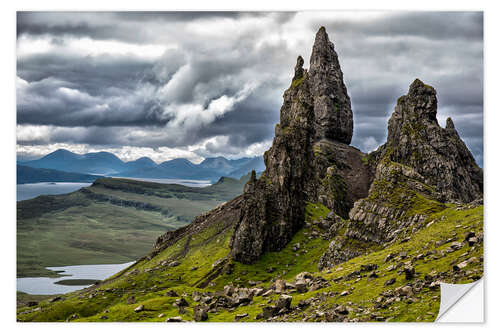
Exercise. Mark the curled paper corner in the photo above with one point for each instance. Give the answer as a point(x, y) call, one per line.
point(462, 303)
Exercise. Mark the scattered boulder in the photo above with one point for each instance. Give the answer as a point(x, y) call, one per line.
point(174, 320)
point(131, 300)
point(242, 296)
point(240, 316)
point(139, 308)
point(180, 302)
point(280, 286)
point(200, 313)
point(332, 316)
point(221, 301)
point(404, 291)
point(472, 240)
point(284, 302)
point(258, 291)
point(269, 311)
point(267, 293)
point(170, 293)
point(196, 296)
point(390, 282)
point(404, 240)
point(342, 309)
point(368, 267)
point(174, 263)
point(228, 290)
point(434, 285)
point(409, 272)
point(303, 276)
point(469, 235)
point(301, 286)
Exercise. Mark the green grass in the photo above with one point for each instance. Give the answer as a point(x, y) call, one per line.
point(151, 279)
point(113, 221)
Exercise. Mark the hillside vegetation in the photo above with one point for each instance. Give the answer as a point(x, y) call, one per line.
point(112, 221)
point(371, 287)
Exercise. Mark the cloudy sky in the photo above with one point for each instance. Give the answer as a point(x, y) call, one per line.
point(168, 85)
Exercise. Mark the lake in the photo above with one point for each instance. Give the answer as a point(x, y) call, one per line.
point(48, 286)
point(30, 191)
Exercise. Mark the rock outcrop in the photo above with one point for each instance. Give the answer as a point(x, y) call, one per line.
point(310, 159)
point(421, 166)
point(378, 197)
point(437, 154)
point(420, 162)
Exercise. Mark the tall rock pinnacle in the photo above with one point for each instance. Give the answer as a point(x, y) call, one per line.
point(313, 134)
point(332, 105)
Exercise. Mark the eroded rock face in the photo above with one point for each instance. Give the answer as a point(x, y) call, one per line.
point(421, 166)
point(332, 105)
point(438, 154)
point(310, 159)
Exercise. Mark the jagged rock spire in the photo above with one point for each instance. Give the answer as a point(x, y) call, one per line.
point(299, 70)
point(449, 124)
point(315, 117)
point(438, 154)
point(332, 105)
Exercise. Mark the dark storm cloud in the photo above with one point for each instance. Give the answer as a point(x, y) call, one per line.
point(429, 25)
point(219, 58)
point(125, 26)
point(90, 74)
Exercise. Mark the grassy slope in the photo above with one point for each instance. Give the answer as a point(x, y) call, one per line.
point(147, 281)
point(94, 231)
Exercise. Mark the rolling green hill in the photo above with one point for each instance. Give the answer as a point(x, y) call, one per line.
point(371, 287)
point(112, 221)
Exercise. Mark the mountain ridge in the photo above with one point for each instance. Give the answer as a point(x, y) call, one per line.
point(105, 163)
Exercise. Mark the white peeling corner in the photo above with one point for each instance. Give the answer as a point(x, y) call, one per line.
point(462, 303)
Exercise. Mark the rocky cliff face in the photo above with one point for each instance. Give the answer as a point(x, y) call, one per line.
point(438, 154)
point(310, 159)
point(421, 166)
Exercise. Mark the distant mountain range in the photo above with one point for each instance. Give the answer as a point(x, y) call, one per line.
point(107, 164)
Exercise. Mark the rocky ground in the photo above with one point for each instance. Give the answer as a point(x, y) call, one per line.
point(399, 282)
